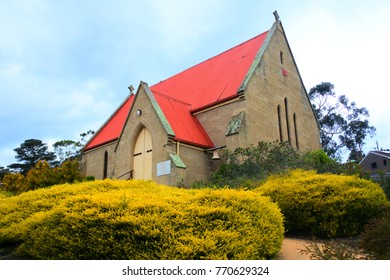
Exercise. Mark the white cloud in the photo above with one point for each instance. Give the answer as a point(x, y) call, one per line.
point(89, 98)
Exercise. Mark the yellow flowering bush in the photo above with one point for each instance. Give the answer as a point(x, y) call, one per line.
point(140, 220)
point(325, 205)
point(42, 176)
point(3, 194)
point(14, 182)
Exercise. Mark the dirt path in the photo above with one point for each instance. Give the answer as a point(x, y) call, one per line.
point(291, 249)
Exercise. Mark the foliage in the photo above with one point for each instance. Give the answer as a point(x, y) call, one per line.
point(3, 194)
point(255, 163)
point(41, 176)
point(89, 178)
point(340, 118)
point(69, 172)
point(29, 153)
point(318, 160)
point(14, 183)
point(70, 149)
point(33, 150)
point(384, 182)
point(246, 167)
point(326, 205)
point(356, 130)
point(85, 136)
point(376, 237)
point(3, 171)
point(328, 115)
point(139, 220)
point(67, 149)
point(334, 250)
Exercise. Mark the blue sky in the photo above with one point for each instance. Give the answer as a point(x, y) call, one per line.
point(65, 65)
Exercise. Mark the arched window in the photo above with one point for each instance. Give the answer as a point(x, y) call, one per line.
point(281, 57)
point(105, 168)
point(287, 121)
point(280, 124)
point(296, 131)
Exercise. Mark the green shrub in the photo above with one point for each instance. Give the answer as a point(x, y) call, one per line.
point(255, 163)
point(376, 237)
point(246, 167)
point(384, 182)
point(14, 183)
point(140, 220)
point(5, 194)
point(325, 205)
point(319, 161)
point(42, 176)
point(334, 250)
point(89, 178)
point(69, 172)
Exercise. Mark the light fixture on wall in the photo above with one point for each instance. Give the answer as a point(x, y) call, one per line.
point(216, 155)
point(139, 112)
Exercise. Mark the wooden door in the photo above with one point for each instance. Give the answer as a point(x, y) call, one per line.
point(142, 157)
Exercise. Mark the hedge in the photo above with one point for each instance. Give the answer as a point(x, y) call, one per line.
point(42, 176)
point(375, 239)
point(325, 205)
point(140, 220)
point(3, 194)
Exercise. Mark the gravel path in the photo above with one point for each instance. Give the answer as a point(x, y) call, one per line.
point(291, 249)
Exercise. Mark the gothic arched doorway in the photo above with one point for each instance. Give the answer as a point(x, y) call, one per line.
point(142, 157)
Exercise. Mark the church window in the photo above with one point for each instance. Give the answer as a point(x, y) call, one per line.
point(280, 124)
point(287, 121)
point(105, 168)
point(281, 57)
point(295, 131)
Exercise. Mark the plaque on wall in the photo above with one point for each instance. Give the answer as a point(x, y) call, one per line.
point(164, 168)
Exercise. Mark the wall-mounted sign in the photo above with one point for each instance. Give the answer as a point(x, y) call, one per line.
point(164, 168)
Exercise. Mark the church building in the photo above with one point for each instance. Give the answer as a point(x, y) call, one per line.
point(170, 132)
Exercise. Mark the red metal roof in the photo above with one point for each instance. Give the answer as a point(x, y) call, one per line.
point(215, 79)
point(111, 130)
point(209, 82)
point(187, 127)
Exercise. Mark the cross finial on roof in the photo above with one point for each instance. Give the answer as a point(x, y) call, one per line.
point(276, 15)
point(131, 88)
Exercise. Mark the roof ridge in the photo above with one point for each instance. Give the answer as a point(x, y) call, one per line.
point(381, 153)
point(203, 61)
